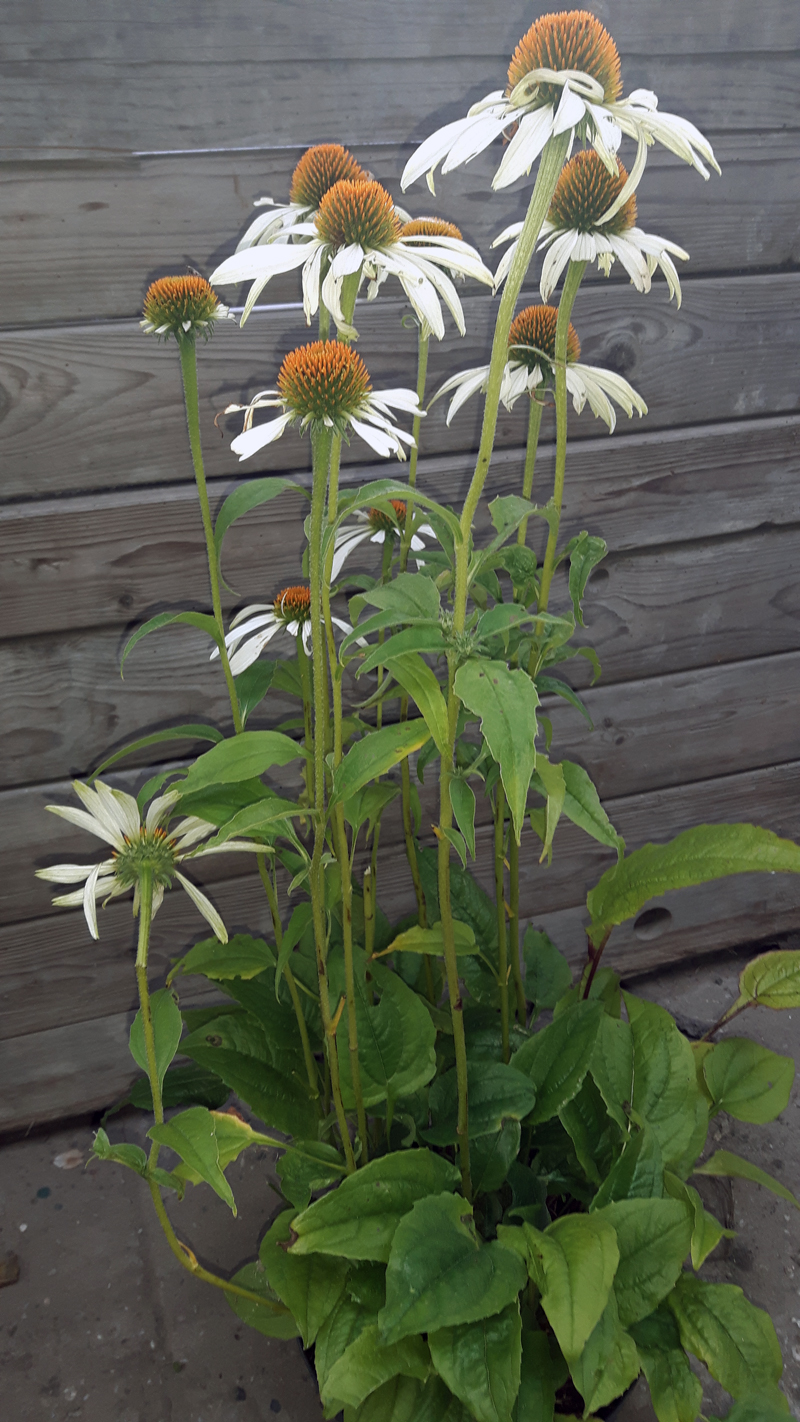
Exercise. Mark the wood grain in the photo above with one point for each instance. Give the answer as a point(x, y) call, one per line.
point(99, 407)
point(146, 216)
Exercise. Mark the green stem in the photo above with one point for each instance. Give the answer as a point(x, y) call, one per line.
point(304, 667)
point(369, 910)
point(534, 426)
point(408, 829)
point(500, 904)
point(189, 373)
point(575, 272)
point(422, 371)
point(277, 928)
point(321, 445)
point(550, 165)
point(448, 934)
point(513, 942)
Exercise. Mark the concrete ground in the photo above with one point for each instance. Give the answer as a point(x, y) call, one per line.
point(104, 1326)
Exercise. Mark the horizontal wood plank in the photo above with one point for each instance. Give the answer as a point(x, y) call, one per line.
point(95, 407)
point(65, 1071)
point(96, 560)
point(52, 973)
point(142, 217)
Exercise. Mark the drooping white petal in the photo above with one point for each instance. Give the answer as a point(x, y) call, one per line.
point(581, 388)
point(72, 873)
point(75, 899)
point(189, 831)
point(205, 906)
point(570, 111)
point(507, 233)
point(398, 398)
point(555, 261)
point(430, 153)
point(630, 185)
point(270, 224)
point(382, 443)
point(441, 283)
point(90, 901)
point(251, 650)
point(468, 383)
point(158, 811)
point(310, 280)
point(347, 260)
point(344, 547)
point(250, 441)
point(606, 136)
point(631, 259)
point(483, 129)
point(585, 249)
point(257, 263)
point(523, 150)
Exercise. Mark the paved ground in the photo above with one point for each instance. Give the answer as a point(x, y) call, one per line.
point(102, 1324)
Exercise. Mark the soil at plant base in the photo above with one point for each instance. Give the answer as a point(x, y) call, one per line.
point(102, 1324)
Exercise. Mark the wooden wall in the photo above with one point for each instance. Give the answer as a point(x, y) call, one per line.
point(135, 138)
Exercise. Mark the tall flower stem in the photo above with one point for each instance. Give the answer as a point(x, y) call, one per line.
point(308, 717)
point(448, 934)
point(321, 445)
point(531, 447)
point(500, 904)
point(277, 928)
point(423, 343)
point(572, 282)
point(189, 372)
point(550, 165)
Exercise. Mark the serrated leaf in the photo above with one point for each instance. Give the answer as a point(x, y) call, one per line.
point(424, 637)
point(376, 754)
point(653, 1238)
point(506, 702)
point(548, 779)
point(574, 1260)
point(735, 1340)
point(665, 1091)
point(676, 1393)
point(612, 1066)
point(729, 1165)
point(280, 1101)
point(772, 979)
point(748, 1081)
point(306, 1168)
point(431, 940)
point(269, 1318)
point(192, 1135)
point(462, 799)
point(609, 1362)
point(547, 972)
point(557, 1059)
point(167, 1029)
point(417, 679)
point(396, 1041)
point(241, 957)
point(585, 552)
point(244, 757)
point(497, 1093)
point(638, 1174)
point(491, 1157)
point(542, 1374)
point(706, 1231)
point(582, 806)
point(368, 1362)
point(183, 1086)
point(480, 1362)
point(310, 1286)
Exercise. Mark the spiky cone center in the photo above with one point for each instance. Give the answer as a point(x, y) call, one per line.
point(571, 39)
point(325, 381)
point(430, 227)
point(380, 520)
point(150, 849)
point(293, 604)
point(181, 306)
point(536, 327)
point(358, 212)
point(585, 191)
point(319, 169)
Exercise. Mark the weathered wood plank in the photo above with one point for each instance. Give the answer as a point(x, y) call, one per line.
point(95, 407)
point(143, 216)
point(92, 560)
point(67, 1071)
point(51, 972)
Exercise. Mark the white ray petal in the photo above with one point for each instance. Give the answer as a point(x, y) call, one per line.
point(632, 260)
point(73, 873)
point(378, 440)
point(526, 145)
point(250, 441)
point(205, 906)
point(189, 831)
point(256, 263)
point(252, 649)
point(399, 398)
point(482, 131)
point(310, 280)
point(432, 151)
point(629, 186)
point(345, 548)
point(90, 901)
point(555, 261)
point(159, 809)
point(570, 111)
point(347, 260)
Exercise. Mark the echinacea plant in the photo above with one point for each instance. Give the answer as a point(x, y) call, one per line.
point(486, 1161)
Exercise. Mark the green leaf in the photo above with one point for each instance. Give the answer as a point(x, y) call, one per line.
point(609, 1362)
point(706, 1231)
point(278, 1100)
point(638, 1173)
point(549, 781)
point(183, 1086)
point(547, 972)
point(480, 1362)
point(676, 1393)
point(772, 979)
point(241, 957)
point(557, 1059)
point(462, 799)
point(735, 1340)
point(408, 643)
point(201, 620)
point(192, 1135)
point(265, 820)
point(665, 1090)
point(747, 1080)
point(131, 1156)
point(594, 1137)
point(431, 940)
point(369, 804)
point(612, 1066)
point(695, 857)
point(417, 679)
point(368, 1362)
point(243, 757)
point(217, 803)
point(306, 1168)
point(585, 552)
point(506, 702)
point(342, 1326)
point(542, 1374)
point(497, 1093)
point(440, 1273)
point(173, 733)
point(248, 496)
point(376, 754)
point(469, 901)
point(167, 1029)
point(359, 1218)
point(269, 1318)
point(573, 1262)
point(298, 924)
point(310, 1286)
point(653, 1238)
point(582, 806)
point(409, 595)
point(233, 1136)
point(773, 1408)
point(554, 686)
point(404, 1399)
point(492, 1156)
point(253, 684)
point(727, 1164)
point(396, 1041)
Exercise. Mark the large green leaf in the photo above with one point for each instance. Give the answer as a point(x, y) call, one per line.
point(497, 1093)
point(549, 781)
point(706, 1231)
point(585, 552)
point(183, 1086)
point(376, 754)
point(193, 732)
point(665, 1090)
point(167, 1029)
point(547, 972)
point(653, 1238)
point(342, 1326)
point(757, 1409)
point(506, 702)
point(541, 1376)
point(417, 679)
point(241, 957)
point(310, 1285)
point(368, 1362)
point(269, 1318)
point(609, 1362)
point(772, 979)
point(404, 1399)
point(557, 1059)
point(233, 1136)
point(612, 1066)
point(638, 1174)
point(734, 1339)
point(243, 757)
point(573, 1262)
point(248, 496)
point(359, 1218)
point(440, 1273)
point(596, 1139)
point(396, 1041)
point(306, 1168)
point(201, 620)
point(265, 820)
point(431, 940)
point(676, 1393)
point(462, 799)
point(747, 1080)
point(276, 1018)
point(582, 806)
point(409, 642)
point(241, 1055)
point(695, 857)
point(491, 1157)
point(727, 1164)
point(480, 1362)
point(192, 1135)
point(253, 684)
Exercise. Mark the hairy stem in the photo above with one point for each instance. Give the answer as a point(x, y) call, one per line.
point(500, 904)
point(277, 928)
point(575, 272)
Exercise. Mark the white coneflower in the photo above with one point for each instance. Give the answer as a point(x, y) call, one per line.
point(357, 231)
point(326, 384)
point(255, 626)
point(564, 77)
point(530, 371)
point(182, 306)
point(376, 525)
point(586, 224)
point(317, 171)
point(137, 845)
